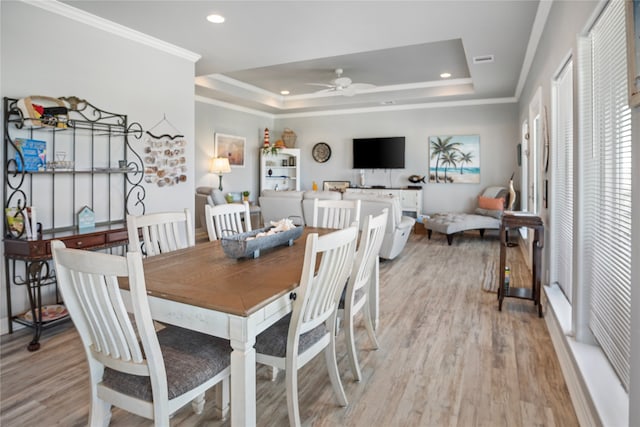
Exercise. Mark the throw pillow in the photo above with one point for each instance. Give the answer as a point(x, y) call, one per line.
point(495, 213)
point(218, 197)
point(490, 203)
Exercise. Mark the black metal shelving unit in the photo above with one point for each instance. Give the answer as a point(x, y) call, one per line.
point(95, 143)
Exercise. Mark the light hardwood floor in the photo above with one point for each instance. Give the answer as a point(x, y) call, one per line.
point(447, 357)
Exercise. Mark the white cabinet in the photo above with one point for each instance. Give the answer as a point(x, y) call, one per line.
point(281, 170)
point(410, 199)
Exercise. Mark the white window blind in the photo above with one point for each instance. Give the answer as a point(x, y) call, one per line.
point(607, 193)
point(562, 187)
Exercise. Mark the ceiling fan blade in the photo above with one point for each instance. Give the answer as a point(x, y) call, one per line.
point(361, 86)
point(320, 84)
point(348, 91)
point(329, 89)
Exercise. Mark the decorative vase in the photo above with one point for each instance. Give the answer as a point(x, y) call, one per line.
point(270, 172)
point(512, 195)
point(289, 137)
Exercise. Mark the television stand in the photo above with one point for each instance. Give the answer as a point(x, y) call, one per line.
point(410, 199)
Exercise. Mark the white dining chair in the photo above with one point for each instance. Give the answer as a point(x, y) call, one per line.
point(228, 219)
point(297, 338)
point(335, 213)
point(161, 232)
point(131, 366)
point(356, 295)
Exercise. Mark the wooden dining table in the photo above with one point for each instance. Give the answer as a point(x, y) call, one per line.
point(202, 289)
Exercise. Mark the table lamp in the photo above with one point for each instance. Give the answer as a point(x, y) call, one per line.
point(219, 166)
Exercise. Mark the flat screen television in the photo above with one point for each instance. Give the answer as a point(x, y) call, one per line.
point(378, 153)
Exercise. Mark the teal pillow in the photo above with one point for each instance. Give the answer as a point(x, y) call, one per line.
point(218, 197)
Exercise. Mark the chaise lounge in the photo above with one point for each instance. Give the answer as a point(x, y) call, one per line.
point(487, 216)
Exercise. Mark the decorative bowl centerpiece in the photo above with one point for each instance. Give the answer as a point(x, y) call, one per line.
point(249, 244)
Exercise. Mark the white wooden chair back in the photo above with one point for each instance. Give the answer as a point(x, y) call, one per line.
point(320, 289)
point(88, 282)
point(373, 230)
point(226, 220)
point(361, 279)
point(335, 213)
point(327, 263)
point(126, 357)
point(161, 232)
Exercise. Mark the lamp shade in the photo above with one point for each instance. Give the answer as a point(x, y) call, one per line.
point(220, 165)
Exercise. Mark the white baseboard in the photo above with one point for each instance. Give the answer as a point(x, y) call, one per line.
point(4, 326)
point(582, 403)
point(598, 397)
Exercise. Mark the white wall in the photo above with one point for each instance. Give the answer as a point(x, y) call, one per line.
point(212, 118)
point(44, 53)
point(496, 125)
point(566, 21)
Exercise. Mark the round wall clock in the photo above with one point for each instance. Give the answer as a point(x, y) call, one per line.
point(321, 152)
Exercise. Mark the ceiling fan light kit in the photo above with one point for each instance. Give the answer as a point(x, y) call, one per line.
point(342, 84)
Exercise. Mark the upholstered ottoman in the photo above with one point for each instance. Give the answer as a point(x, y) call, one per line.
point(451, 223)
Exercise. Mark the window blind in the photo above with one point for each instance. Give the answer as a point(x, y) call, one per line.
point(562, 187)
point(607, 193)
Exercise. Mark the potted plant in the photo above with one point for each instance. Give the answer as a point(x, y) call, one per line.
point(245, 196)
point(270, 150)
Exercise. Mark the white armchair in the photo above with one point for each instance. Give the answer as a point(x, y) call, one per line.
point(398, 226)
point(293, 204)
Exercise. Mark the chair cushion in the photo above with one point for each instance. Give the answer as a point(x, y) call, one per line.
point(190, 359)
point(343, 298)
point(449, 223)
point(273, 341)
point(218, 197)
point(495, 213)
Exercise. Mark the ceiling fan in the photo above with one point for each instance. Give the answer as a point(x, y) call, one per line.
point(342, 84)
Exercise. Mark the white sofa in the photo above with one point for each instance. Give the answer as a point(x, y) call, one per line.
point(212, 196)
point(276, 205)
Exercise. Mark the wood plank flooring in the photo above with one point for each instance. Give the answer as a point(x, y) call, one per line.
point(447, 357)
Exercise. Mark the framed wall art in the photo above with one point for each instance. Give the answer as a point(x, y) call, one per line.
point(231, 147)
point(340, 186)
point(454, 159)
point(633, 51)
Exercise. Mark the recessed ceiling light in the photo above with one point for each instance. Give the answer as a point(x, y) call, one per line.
point(215, 18)
point(445, 75)
point(284, 92)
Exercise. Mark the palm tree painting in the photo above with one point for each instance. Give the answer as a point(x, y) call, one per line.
point(454, 159)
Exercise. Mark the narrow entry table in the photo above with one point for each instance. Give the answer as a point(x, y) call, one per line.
point(516, 220)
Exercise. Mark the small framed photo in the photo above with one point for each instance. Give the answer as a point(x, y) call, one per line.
point(340, 186)
point(231, 147)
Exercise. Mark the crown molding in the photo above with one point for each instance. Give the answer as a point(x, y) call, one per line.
point(539, 22)
point(81, 16)
point(380, 109)
point(229, 106)
point(387, 108)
